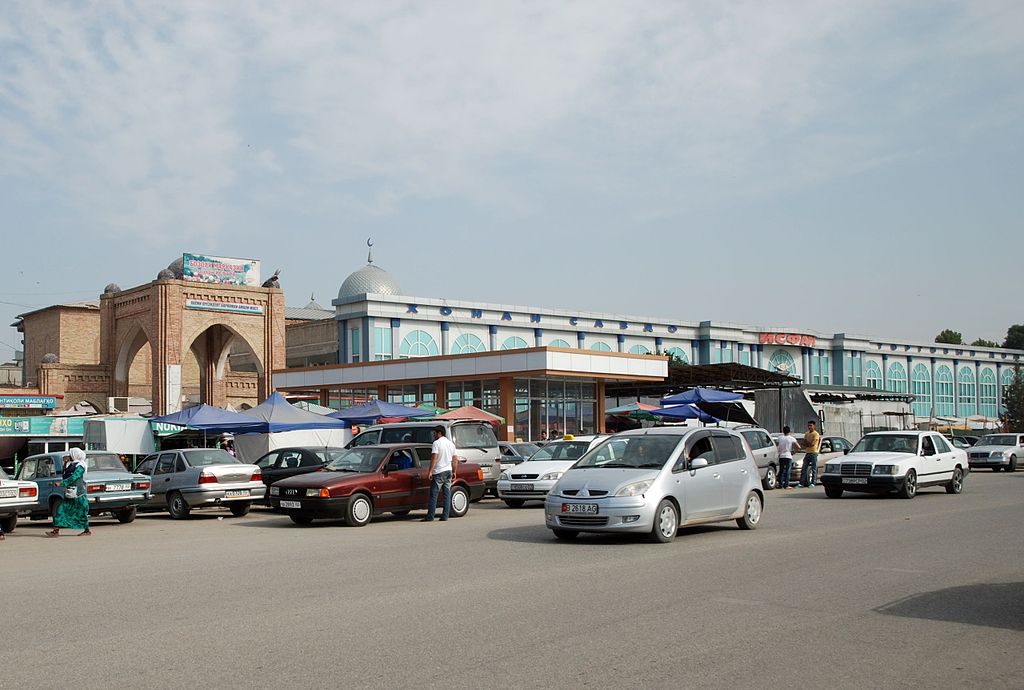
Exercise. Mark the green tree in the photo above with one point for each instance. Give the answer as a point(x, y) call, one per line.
point(1015, 337)
point(950, 337)
point(1013, 402)
point(981, 342)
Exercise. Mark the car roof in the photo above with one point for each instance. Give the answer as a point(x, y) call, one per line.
point(665, 431)
point(389, 446)
point(894, 432)
point(431, 423)
point(313, 448)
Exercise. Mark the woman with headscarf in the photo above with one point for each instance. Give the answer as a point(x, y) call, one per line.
point(73, 510)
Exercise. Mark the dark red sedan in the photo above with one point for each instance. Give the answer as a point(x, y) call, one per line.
point(371, 480)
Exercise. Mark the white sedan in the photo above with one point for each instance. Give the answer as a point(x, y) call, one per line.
point(531, 480)
point(15, 495)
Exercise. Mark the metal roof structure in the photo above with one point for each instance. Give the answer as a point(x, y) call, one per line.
point(729, 376)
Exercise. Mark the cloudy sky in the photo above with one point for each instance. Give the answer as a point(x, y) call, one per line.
point(836, 166)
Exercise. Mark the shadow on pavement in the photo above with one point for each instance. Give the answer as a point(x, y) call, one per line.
point(999, 605)
point(542, 535)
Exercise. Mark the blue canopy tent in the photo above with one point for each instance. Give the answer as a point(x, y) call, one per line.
point(277, 414)
point(209, 419)
point(280, 424)
point(375, 409)
point(684, 412)
point(700, 395)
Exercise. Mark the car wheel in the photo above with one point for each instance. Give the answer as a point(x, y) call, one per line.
point(359, 511)
point(460, 501)
point(241, 508)
point(565, 534)
point(770, 477)
point(752, 510)
point(666, 522)
point(301, 519)
point(177, 507)
point(126, 515)
point(8, 523)
point(909, 487)
point(1012, 467)
point(514, 503)
point(956, 484)
point(833, 492)
point(400, 513)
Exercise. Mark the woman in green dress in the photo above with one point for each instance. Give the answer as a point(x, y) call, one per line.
point(73, 510)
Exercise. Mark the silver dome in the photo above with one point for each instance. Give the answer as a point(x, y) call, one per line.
point(369, 279)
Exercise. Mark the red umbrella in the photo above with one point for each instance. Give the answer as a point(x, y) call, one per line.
point(474, 413)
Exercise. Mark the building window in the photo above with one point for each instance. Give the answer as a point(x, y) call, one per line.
point(677, 353)
point(782, 362)
point(639, 350)
point(600, 347)
point(558, 342)
point(354, 340)
point(382, 344)
point(514, 343)
point(418, 344)
point(1005, 379)
point(897, 378)
point(826, 369)
point(921, 387)
point(967, 390)
point(467, 343)
point(944, 392)
point(872, 375)
point(987, 402)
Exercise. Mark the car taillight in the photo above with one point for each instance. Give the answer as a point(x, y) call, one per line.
point(27, 492)
point(257, 476)
point(325, 493)
point(207, 478)
point(140, 485)
point(479, 474)
point(97, 488)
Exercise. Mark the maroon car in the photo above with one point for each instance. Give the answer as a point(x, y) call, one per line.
point(371, 480)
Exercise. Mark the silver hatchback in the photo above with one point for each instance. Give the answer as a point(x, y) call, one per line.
point(654, 481)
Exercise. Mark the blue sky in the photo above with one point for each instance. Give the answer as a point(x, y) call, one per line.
point(836, 166)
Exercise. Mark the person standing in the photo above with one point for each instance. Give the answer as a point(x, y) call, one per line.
point(786, 445)
point(812, 445)
point(73, 510)
point(443, 461)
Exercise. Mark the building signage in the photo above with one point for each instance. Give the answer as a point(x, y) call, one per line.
point(28, 402)
point(221, 270)
point(231, 307)
point(786, 339)
point(42, 426)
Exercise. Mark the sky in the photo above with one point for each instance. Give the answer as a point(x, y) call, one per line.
point(829, 166)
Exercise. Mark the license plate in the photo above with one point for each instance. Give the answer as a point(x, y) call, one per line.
point(291, 504)
point(237, 494)
point(8, 493)
point(522, 487)
point(855, 480)
point(119, 487)
point(579, 508)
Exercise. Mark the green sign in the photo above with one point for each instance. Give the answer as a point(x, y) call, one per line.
point(42, 426)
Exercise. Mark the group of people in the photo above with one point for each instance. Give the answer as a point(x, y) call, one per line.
point(810, 445)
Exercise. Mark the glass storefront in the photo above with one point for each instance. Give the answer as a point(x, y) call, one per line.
point(552, 407)
point(483, 394)
point(413, 394)
point(340, 398)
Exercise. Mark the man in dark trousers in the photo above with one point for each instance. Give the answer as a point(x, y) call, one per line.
point(442, 471)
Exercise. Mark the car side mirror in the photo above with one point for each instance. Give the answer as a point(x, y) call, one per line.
point(928, 452)
point(697, 463)
point(846, 451)
point(391, 467)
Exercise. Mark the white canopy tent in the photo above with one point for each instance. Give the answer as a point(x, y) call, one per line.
point(251, 447)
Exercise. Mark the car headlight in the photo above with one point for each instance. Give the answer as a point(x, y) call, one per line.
point(312, 492)
point(504, 475)
point(275, 491)
point(551, 476)
point(833, 468)
point(886, 469)
point(999, 453)
point(635, 489)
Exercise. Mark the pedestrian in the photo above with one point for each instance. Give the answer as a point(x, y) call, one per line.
point(812, 445)
point(443, 461)
point(786, 445)
point(73, 510)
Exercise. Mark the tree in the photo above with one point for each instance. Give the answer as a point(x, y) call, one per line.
point(950, 337)
point(1013, 402)
point(1015, 337)
point(981, 342)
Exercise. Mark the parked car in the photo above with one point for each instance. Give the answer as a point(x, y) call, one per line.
point(766, 454)
point(971, 440)
point(531, 480)
point(900, 461)
point(201, 478)
point(15, 495)
point(513, 453)
point(958, 442)
point(998, 452)
point(111, 488)
point(652, 481)
point(281, 463)
point(371, 480)
point(474, 441)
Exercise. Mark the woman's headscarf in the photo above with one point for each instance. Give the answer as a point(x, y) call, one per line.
point(78, 458)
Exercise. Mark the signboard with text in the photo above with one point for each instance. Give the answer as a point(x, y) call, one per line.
point(42, 426)
point(230, 307)
point(221, 270)
point(786, 339)
point(28, 402)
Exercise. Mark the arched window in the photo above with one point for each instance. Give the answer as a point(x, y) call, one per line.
point(467, 342)
point(418, 344)
point(678, 353)
point(600, 347)
point(639, 350)
point(921, 387)
point(558, 342)
point(897, 378)
point(782, 362)
point(872, 375)
point(987, 402)
point(944, 392)
point(513, 343)
point(1005, 379)
point(968, 392)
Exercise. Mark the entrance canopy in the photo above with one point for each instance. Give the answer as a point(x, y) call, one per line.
point(210, 419)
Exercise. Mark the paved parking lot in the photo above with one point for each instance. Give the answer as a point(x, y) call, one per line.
point(857, 592)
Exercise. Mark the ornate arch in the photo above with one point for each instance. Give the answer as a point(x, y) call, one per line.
point(134, 339)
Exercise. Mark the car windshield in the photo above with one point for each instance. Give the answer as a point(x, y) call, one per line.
point(210, 456)
point(3, 475)
point(329, 455)
point(524, 449)
point(999, 440)
point(887, 443)
point(561, 450)
point(639, 452)
point(357, 460)
point(99, 463)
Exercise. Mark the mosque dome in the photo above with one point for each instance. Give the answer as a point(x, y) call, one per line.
point(368, 279)
point(112, 289)
point(49, 358)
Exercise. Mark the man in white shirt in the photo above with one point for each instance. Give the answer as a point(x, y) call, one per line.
point(443, 462)
point(786, 445)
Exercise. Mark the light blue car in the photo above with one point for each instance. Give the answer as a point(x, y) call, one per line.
point(111, 488)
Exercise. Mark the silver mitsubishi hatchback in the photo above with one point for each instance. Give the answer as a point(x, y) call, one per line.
point(653, 481)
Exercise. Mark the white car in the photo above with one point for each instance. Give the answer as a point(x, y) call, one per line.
point(998, 451)
point(900, 461)
point(532, 479)
point(15, 495)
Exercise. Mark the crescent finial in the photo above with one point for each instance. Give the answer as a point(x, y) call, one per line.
point(369, 252)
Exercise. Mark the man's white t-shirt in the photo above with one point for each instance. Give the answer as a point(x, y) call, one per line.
point(445, 451)
point(786, 446)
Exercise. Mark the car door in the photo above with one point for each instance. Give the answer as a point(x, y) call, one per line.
point(945, 459)
point(757, 447)
point(289, 463)
point(268, 467)
point(698, 490)
point(394, 488)
point(735, 472)
point(163, 473)
point(146, 467)
point(421, 482)
point(27, 472)
point(48, 479)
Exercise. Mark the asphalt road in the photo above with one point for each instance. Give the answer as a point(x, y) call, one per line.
point(857, 592)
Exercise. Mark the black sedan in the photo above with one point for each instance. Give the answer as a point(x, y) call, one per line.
point(281, 463)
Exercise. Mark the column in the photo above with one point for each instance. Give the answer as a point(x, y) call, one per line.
point(444, 339)
point(695, 352)
point(342, 342)
point(507, 407)
point(885, 372)
point(599, 413)
point(622, 342)
point(538, 337)
point(932, 360)
point(493, 332)
point(999, 389)
point(396, 340)
point(659, 346)
point(581, 340)
point(956, 388)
